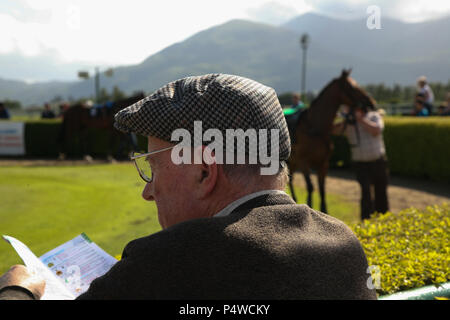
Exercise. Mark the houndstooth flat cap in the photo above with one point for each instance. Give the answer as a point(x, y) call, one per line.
point(219, 101)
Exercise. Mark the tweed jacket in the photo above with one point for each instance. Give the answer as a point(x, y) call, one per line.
point(267, 248)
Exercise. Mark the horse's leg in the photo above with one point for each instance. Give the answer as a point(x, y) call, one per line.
point(309, 186)
point(84, 140)
point(125, 142)
point(112, 155)
point(61, 140)
point(321, 174)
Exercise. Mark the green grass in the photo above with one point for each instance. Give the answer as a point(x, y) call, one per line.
point(47, 206)
point(337, 206)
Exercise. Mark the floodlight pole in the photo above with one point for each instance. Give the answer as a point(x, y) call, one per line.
point(304, 41)
point(85, 75)
point(97, 85)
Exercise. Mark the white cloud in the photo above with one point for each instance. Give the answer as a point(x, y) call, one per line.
point(127, 32)
point(405, 10)
point(111, 31)
point(276, 12)
point(23, 39)
point(119, 32)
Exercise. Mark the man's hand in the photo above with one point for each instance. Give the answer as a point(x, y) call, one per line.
point(373, 128)
point(359, 115)
point(20, 276)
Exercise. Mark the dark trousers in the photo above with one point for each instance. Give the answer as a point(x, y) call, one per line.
point(429, 107)
point(373, 174)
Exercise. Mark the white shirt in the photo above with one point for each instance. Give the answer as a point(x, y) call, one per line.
point(369, 147)
point(426, 90)
point(233, 205)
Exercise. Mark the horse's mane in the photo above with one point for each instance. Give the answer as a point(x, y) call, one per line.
point(321, 93)
point(350, 80)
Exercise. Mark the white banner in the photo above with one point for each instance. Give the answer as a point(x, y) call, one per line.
point(12, 139)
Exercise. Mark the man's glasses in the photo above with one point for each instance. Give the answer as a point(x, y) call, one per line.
point(143, 165)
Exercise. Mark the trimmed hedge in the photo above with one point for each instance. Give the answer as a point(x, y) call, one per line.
point(41, 140)
point(411, 248)
point(418, 147)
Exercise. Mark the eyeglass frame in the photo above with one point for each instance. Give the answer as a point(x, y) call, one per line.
point(146, 155)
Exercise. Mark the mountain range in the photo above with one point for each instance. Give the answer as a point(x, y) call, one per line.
point(397, 53)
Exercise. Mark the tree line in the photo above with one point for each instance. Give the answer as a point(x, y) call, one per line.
point(383, 93)
point(380, 92)
point(401, 94)
point(104, 96)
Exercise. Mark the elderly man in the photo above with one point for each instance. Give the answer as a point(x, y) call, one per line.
point(229, 231)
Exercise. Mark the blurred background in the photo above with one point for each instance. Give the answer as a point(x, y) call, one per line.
point(63, 51)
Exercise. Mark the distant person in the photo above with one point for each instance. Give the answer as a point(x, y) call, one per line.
point(425, 89)
point(62, 109)
point(4, 113)
point(442, 111)
point(293, 114)
point(444, 108)
point(297, 103)
point(365, 135)
point(48, 112)
point(419, 106)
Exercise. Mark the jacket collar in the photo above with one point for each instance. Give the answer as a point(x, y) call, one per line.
point(256, 199)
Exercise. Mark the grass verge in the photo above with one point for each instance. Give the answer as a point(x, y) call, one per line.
point(47, 206)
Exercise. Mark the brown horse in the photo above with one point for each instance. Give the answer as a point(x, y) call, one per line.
point(79, 118)
point(311, 148)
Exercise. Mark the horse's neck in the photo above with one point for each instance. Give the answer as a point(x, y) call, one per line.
point(323, 111)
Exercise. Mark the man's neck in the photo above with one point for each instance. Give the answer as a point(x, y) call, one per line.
point(236, 203)
point(220, 203)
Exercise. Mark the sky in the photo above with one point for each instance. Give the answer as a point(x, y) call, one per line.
point(127, 32)
point(121, 32)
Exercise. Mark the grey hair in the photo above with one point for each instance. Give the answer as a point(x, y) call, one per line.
point(243, 174)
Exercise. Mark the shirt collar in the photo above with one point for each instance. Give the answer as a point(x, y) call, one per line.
point(233, 205)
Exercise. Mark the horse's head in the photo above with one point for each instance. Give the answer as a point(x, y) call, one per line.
point(353, 95)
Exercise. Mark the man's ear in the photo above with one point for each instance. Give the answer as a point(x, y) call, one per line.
point(208, 175)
